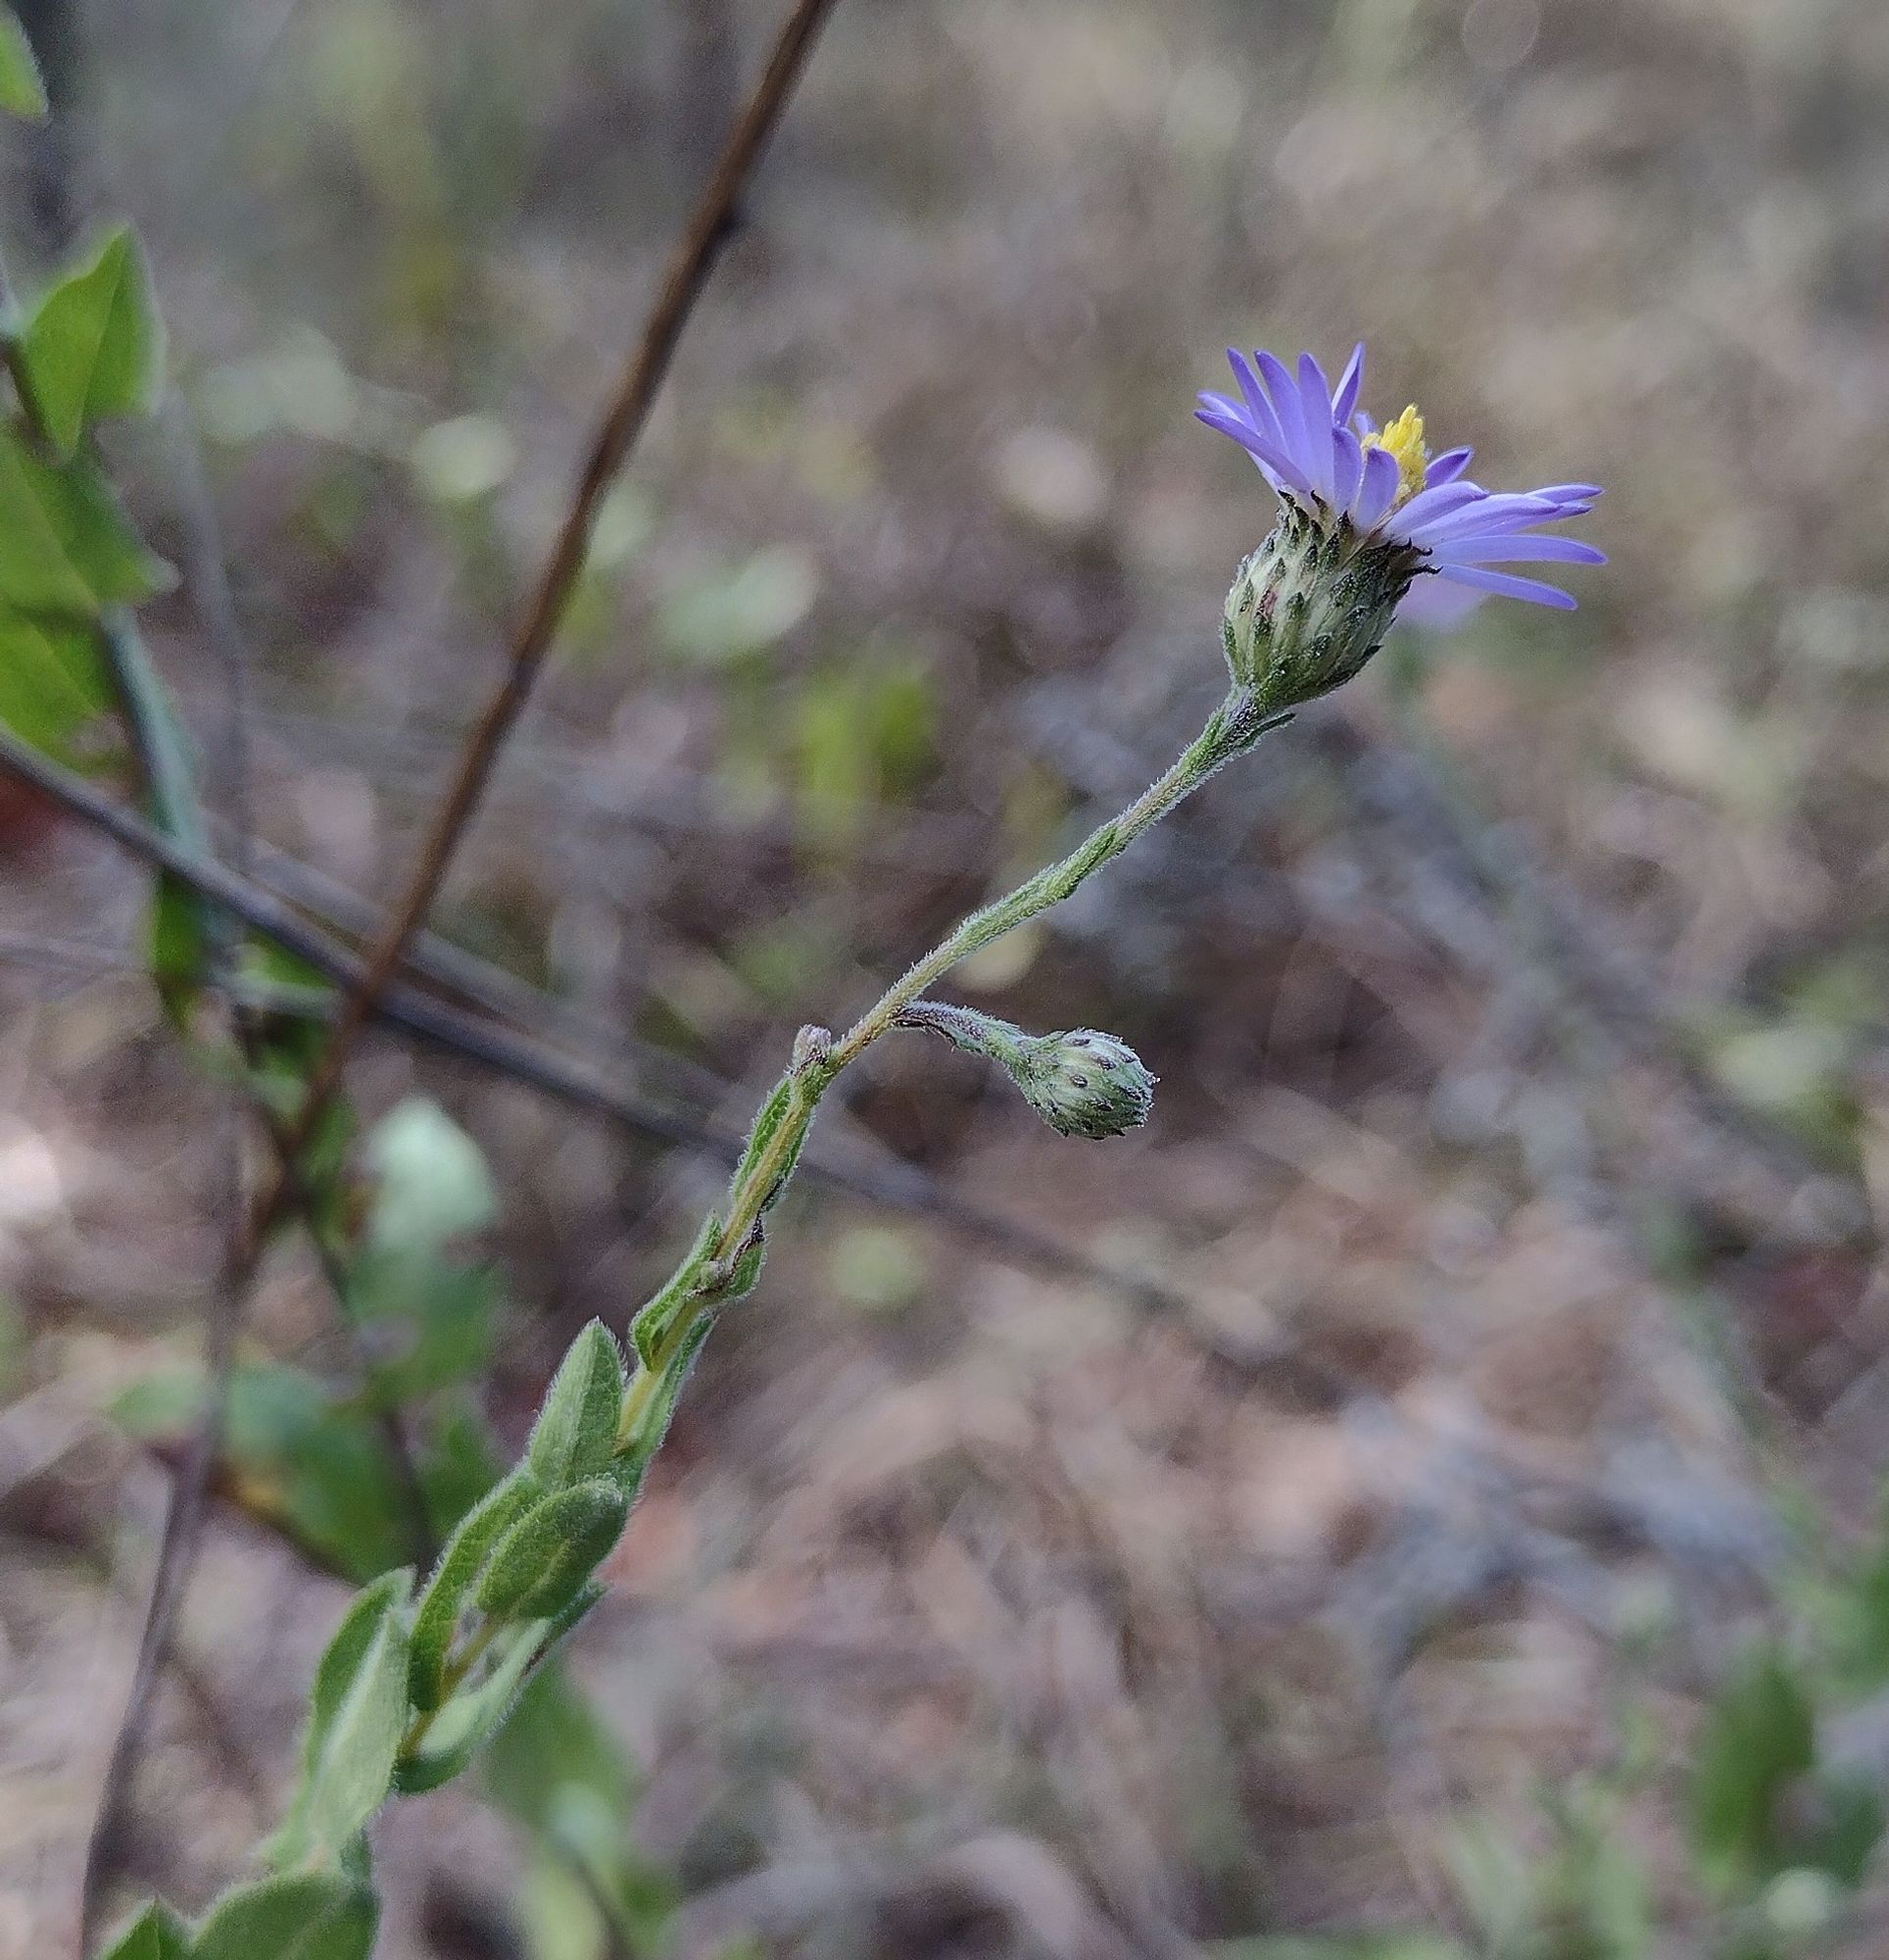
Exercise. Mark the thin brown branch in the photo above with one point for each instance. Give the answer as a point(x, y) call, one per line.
point(622, 423)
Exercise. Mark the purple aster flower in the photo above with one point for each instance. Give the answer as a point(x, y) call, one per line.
point(1381, 487)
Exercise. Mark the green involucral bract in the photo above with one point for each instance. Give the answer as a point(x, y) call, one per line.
point(1311, 607)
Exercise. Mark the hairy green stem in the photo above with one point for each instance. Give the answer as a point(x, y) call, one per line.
point(774, 1147)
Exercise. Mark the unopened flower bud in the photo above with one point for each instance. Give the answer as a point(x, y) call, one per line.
point(1311, 605)
point(1086, 1082)
point(1082, 1082)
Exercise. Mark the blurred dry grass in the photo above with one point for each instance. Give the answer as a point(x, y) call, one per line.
point(1503, 1170)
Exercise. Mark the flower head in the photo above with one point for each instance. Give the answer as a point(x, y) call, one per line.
point(1376, 487)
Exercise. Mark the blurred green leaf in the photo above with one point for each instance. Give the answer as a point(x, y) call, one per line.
point(1840, 1835)
point(322, 1470)
point(863, 737)
point(726, 613)
point(1758, 1738)
point(464, 459)
point(67, 549)
point(433, 1312)
point(22, 91)
point(433, 1184)
point(94, 344)
point(177, 947)
point(576, 1432)
point(559, 1773)
point(313, 1916)
point(1596, 1892)
point(555, 1741)
point(52, 681)
point(457, 1466)
point(1499, 1891)
point(357, 1712)
point(156, 1933)
point(284, 1053)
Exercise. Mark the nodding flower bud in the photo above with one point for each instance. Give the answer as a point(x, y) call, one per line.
point(1311, 605)
point(1082, 1082)
point(1086, 1082)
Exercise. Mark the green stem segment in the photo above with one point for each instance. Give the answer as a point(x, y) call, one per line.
point(730, 1264)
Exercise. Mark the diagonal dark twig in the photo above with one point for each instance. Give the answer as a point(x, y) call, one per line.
point(622, 423)
point(500, 1051)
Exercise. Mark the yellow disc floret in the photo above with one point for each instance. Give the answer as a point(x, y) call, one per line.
point(1404, 439)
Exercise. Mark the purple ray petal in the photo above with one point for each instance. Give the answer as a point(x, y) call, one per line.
point(1264, 453)
point(1521, 550)
point(1379, 489)
point(1258, 406)
point(1447, 467)
point(1286, 404)
point(1430, 506)
point(1495, 514)
point(1347, 468)
point(1435, 605)
point(1510, 587)
point(1345, 398)
point(1315, 409)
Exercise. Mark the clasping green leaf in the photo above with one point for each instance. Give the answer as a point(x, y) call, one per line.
point(577, 1428)
point(312, 1916)
point(358, 1713)
point(156, 1933)
point(545, 1559)
point(437, 1621)
point(474, 1713)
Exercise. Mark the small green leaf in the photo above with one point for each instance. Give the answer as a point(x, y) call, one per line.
point(474, 1715)
point(65, 547)
point(459, 1564)
point(639, 1450)
point(312, 1916)
point(156, 1933)
point(1844, 1827)
point(22, 91)
point(1758, 1738)
point(556, 1743)
point(577, 1428)
point(178, 945)
point(94, 344)
point(542, 1562)
point(52, 682)
point(652, 1321)
point(357, 1712)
